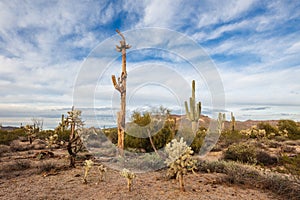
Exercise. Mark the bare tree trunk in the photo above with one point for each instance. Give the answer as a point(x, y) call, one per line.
point(151, 142)
point(121, 87)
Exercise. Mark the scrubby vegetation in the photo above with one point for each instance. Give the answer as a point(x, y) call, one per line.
point(264, 155)
point(179, 160)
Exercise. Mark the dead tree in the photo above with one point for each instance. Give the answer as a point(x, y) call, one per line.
point(120, 86)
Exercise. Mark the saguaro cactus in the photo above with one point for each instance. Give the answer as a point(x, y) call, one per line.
point(232, 123)
point(120, 86)
point(195, 109)
point(221, 120)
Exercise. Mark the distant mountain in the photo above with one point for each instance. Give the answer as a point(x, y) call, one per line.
point(240, 125)
point(8, 128)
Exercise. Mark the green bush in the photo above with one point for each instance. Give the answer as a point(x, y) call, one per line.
point(271, 131)
point(198, 140)
point(291, 164)
point(111, 134)
point(245, 153)
point(160, 139)
point(265, 159)
point(229, 137)
point(291, 127)
point(6, 137)
point(44, 134)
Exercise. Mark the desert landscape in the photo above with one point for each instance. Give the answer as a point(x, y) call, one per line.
point(149, 100)
point(238, 167)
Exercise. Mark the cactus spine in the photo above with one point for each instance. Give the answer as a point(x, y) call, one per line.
point(193, 114)
point(120, 86)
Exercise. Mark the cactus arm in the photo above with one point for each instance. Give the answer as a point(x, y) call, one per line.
point(194, 113)
point(188, 114)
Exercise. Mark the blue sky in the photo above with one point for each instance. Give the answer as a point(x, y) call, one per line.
point(255, 46)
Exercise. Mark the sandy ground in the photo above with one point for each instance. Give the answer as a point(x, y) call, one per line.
point(68, 184)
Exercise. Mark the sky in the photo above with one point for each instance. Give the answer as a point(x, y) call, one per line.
point(55, 54)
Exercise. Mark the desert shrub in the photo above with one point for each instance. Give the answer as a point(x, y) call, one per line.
point(244, 174)
point(148, 162)
point(274, 144)
point(16, 165)
point(271, 131)
point(288, 149)
point(163, 137)
point(46, 166)
point(293, 142)
point(198, 140)
point(137, 143)
point(249, 153)
point(63, 135)
point(6, 137)
point(160, 139)
point(4, 149)
point(291, 164)
point(229, 137)
point(292, 128)
point(111, 134)
point(241, 152)
point(17, 145)
point(210, 167)
point(42, 135)
point(280, 138)
point(263, 158)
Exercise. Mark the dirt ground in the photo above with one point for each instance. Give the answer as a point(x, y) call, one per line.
point(65, 183)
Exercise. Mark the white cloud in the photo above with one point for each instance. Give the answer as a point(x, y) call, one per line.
point(42, 45)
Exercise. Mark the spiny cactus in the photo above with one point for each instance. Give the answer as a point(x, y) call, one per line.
point(30, 132)
point(129, 176)
point(87, 166)
point(179, 160)
point(75, 144)
point(232, 122)
point(193, 114)
point(221, 120)
point(51, 140)
point(102, 170)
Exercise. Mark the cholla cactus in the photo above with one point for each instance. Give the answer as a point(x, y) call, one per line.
point(102, 170)
point(87, 166)
point(254, 132)
point(30, 132)
point(179, 160)
point(129, 176)
point(52, 140)
point(75, 144)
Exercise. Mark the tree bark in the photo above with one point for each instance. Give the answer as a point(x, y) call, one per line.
point(151, 142)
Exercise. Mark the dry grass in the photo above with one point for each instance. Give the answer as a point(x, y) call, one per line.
point(238, 173)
